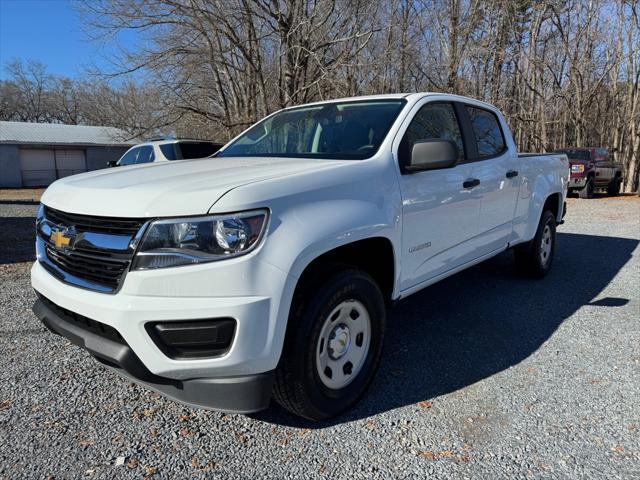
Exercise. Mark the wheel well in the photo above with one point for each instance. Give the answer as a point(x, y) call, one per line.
point(372, 255)
point(552, 203)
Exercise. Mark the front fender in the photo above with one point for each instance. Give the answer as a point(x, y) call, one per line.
point(313, 214)
point(306, 238)
point(343, 222)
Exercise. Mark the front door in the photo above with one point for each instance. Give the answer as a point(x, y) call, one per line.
point(440, 215)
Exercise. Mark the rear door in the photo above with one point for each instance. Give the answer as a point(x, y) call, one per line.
point(440, 215)
point(496, 166)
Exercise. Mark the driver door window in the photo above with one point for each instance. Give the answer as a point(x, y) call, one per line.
point(433, 121)
point(145, 155)
point(137, 155)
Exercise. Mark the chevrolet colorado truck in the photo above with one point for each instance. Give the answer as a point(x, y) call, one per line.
point(267, 271)
point(593, 169)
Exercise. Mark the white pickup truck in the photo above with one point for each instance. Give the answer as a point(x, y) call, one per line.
point(267, 270)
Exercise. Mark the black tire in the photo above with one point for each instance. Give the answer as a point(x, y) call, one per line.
point(614, 187)
point(298, 386)
point(529, 256)
point(588, 189)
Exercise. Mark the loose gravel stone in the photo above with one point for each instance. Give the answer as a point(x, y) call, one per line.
point(484, 375)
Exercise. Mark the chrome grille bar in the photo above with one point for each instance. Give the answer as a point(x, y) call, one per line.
point(98, 254)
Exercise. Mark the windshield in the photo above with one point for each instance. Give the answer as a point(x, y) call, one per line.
point(346, 130)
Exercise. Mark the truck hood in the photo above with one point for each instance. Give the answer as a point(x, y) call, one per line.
point(188, 187)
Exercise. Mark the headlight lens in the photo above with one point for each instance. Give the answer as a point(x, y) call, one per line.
point(187, 241)
point(578, 168)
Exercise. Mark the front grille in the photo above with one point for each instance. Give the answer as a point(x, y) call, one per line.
point(101, 270)
point(88, 223)
point(83, 322)
point(100, 255)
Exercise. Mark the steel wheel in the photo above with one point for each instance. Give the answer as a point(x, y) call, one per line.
point(534, 258)
point(333, 344)
point(343, 344)
point(546, 245)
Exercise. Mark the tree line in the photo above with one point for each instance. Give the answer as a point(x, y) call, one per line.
point(31, 94)
point(564, 72)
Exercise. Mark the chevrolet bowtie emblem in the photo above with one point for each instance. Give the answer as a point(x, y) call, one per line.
point(60, 239)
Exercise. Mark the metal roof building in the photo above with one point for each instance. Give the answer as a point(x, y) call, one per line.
point(36, 154)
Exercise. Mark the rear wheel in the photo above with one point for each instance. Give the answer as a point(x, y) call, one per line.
point(587, 190)
point(333, 346)
point(534, 258)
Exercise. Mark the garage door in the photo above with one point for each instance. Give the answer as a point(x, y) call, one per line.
point(38, 167)
point(70, 162)
point(42, 167)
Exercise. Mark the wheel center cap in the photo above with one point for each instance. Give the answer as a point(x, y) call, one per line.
point(339, 342)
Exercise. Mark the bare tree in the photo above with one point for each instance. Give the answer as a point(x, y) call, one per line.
point(565, 72)
point(28, 93)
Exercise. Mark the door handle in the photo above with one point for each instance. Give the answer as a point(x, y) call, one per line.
point(472, 182)
point(512, 173)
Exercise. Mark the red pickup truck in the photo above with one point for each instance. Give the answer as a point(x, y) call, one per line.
point(592, 169)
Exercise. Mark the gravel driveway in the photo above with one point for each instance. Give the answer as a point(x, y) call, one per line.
point(485, 375)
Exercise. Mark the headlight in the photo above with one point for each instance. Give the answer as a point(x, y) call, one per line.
point(578, 168)
point(187, 241)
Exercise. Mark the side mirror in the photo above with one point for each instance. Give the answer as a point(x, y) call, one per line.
point(432, 154)
point(112, 163)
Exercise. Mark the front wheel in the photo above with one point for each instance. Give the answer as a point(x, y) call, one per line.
point(333, 346)
point(534, 258)
point(588, 189)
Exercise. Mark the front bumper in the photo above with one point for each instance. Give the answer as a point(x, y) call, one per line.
point(243, 394)
point(577, 182)
point(253, 293)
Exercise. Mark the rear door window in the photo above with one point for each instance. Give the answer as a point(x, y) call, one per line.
point(198, 149)
point(187, 150)
point(170, 151)
point(487, 132)
point(602, 153)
